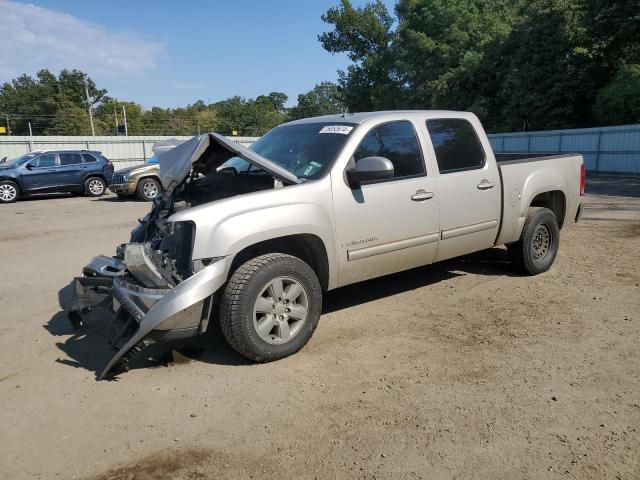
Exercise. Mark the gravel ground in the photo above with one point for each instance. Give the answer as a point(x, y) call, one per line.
point(458, 370)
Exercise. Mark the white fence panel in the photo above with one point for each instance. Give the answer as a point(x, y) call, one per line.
point(122, 151)
point(604, 149)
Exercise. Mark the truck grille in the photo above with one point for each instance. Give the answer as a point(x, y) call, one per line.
point(118, 178)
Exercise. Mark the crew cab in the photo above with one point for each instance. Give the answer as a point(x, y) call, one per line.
point(252, 238)
point(79, 171)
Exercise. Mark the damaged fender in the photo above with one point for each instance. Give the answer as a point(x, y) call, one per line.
point(193, 290)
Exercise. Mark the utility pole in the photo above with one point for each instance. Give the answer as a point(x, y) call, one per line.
point(86, 92)
point(30, 138)
point(115, 115)
point(8, 129)
point(124, 114)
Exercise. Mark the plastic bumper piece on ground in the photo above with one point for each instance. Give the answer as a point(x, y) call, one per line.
point(164, 313)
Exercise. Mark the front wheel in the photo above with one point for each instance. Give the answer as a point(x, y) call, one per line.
point(537, 248)
point(148, 189)
point(9, 192)
point(270, 307)
point(94, 187)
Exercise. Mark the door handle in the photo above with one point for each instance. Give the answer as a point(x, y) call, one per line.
point(421, 196)
point(485, 185)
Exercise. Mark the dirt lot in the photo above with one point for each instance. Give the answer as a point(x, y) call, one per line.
point(458, 370)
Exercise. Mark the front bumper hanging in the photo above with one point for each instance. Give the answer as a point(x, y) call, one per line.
point(143, 316)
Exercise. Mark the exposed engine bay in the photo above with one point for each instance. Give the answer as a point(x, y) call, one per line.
point(144, 282)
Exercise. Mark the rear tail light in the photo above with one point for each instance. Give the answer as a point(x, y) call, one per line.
point(582, 179)
point(109, 164)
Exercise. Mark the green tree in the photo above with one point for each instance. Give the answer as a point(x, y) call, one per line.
point(619, 101)
point(323, 99)
point(365, 34)
point(45, 99)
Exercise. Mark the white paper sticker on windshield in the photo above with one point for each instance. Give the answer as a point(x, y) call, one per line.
point(341, 129)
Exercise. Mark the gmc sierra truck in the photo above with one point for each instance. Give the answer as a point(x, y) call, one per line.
point(251, 238)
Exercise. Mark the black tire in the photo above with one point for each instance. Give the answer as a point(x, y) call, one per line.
point(95, 187)
point(146, 185)
point(538, 246)
point(9, 191)
point(241, 293)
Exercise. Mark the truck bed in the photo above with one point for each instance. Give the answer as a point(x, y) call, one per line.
point(522, 182)
point(512, 158)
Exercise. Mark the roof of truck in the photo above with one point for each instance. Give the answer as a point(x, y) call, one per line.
point(361, 117)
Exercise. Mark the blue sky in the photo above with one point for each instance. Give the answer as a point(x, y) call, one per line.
point(173, 53)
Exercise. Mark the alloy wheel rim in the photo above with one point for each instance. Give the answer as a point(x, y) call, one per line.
point(280, 310)
point(8, 192)
point(96, 187)
point(150, 189)
point(541, 242)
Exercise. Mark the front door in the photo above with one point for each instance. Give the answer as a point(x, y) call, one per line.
point(39, 172)
point(392, 225)
point(469, 187)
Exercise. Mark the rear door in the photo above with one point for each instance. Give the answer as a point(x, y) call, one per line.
point(71, 170)
point(469, 188)
point(39, 173)
point(391, 225)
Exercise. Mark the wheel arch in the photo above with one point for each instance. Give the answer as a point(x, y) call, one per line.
point(15, 181)
point(554, 200)
point(149, 175)
point(307, 247)
point(100, 175)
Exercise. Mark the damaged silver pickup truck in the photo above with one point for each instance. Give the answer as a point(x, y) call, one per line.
point(251, 238)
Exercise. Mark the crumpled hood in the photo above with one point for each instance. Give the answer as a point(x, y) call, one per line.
point(205, 153)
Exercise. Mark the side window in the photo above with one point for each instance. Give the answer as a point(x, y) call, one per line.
point(43, 161)
point(396, 141)
point(456, 145)
point(70, 158)
point(88, 158)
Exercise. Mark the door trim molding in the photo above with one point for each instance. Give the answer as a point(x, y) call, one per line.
point(392, 246)
point(467, 229)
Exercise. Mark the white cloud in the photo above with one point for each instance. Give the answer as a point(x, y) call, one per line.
point(34, 37)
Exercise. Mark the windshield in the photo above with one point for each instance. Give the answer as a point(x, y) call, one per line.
point(14, 162)
point(306, 150)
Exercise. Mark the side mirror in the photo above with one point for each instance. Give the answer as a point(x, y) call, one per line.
point(370, 170)
point(29, 166)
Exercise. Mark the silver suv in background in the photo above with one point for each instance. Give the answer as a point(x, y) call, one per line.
point(143, 181)
point(252, 238)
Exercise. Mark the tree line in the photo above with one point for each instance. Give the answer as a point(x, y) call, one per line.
point(517, 64)
point(58, 105)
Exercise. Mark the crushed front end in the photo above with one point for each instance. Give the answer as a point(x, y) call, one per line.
point(156, 291)
point(156, 288)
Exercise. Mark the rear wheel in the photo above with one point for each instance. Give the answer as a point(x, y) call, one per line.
point(537, 248)
point(270, 307)
point(94, 187)
point(148, 189)
point(9, 192)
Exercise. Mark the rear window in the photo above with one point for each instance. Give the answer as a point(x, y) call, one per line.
point(456, 145)
point(88, 158)
point(69, 158)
